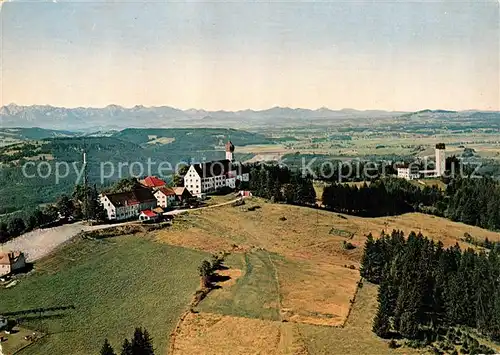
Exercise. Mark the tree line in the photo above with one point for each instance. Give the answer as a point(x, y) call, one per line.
point(382, 197)
point(468, 200)
point(425, 288)
point(280, 184)
point(475, 202)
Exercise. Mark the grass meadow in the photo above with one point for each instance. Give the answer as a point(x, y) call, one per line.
point(290, 288)
point(115, 285)
point(254, 294)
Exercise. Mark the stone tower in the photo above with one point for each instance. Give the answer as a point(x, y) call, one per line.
point(440, 159)
point(229, 151)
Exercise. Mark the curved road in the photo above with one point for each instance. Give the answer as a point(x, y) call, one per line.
point(40, 242)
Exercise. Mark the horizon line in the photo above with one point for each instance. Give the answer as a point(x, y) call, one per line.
point(250, 109)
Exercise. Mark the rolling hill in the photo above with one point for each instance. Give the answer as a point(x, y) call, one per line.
point(290, 286)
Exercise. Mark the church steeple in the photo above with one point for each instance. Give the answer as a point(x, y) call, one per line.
point(229, 151)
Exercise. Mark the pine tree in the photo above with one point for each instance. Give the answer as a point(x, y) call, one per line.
point(141, 343)
point(381, 324)
point(107, 349)
point(408, 326)
point(366, 262)
point(127, 348)
point(148, 343)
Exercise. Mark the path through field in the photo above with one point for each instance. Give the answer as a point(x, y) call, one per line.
point(175, 212)
point(40, 242)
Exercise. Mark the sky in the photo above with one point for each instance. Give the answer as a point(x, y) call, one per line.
point(391, 55)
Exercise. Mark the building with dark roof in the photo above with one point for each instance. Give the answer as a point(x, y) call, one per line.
point(125, 205)
point(208, 177)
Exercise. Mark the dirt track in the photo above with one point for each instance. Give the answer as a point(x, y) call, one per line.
point(38, 243)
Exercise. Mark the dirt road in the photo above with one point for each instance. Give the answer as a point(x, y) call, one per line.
point(38, 243)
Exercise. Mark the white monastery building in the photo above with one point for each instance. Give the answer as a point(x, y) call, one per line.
point(207, 177)
point(406, 172)
point(409, 173)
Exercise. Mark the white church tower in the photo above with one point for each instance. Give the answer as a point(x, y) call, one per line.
point(440, 159)
point(229, 151)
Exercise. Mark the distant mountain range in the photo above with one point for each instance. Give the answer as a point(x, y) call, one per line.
point(114, 117)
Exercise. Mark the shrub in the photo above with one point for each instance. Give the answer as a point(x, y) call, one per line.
point(393, 344)
point(415, 344)
point(238, 203)
point(217, 260)
point(205, 269)
point(347, 245)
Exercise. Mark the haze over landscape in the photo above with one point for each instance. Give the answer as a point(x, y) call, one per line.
point(403, 56)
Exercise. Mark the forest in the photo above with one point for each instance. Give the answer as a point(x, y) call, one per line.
point(427, 291)
point(280, 184)
point(130, 145)
point(83, 204)
point(381, 198)
point(474, 201)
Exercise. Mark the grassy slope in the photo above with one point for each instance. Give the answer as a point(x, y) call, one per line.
point(115, 286)
point(356, 337)
point(254, 295)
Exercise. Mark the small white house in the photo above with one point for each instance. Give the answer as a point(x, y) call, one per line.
point(148, 215)
point(165, 197)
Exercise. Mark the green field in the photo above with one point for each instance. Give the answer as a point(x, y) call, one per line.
point(356, 337)
point(255, 294)
point(116, 285)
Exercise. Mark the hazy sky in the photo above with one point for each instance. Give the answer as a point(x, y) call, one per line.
point(394, 55)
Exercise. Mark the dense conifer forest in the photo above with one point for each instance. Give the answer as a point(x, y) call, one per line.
point(382, 198)
point(426, 290)
point(474, 201)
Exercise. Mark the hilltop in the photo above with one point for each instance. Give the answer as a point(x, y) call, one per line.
point(291, 285)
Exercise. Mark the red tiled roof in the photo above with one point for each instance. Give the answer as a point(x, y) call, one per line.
point(149, 213)
point(153, 181)
point(167, 191)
